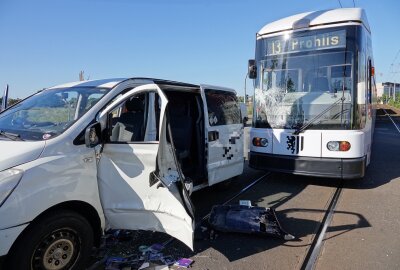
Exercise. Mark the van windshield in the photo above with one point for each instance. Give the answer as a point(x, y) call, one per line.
point(50, 112)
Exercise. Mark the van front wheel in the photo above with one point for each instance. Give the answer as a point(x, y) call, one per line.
point(62, 240)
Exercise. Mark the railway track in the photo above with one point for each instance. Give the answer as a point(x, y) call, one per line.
point(311, 258)
point(391, 119)
point(317, 244)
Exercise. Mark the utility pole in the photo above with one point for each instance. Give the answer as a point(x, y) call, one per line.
point(4, 100)
point(81, 76)
point(395, 72)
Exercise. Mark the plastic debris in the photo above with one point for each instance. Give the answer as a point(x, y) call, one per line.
point(184, 262)
point(168, 260)
point(144, 265)
point(119, 250)
point(245, 203)
point(245, 219)
point(161, 267)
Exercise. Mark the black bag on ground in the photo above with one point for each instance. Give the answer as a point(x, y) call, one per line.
point(247, 219)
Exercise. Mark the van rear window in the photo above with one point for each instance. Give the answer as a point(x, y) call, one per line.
point(223, 108)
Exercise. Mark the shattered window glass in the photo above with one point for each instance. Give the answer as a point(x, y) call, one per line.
point(223, 108)
point(294, 88)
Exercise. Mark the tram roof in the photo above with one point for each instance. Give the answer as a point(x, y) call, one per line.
point(315, 18)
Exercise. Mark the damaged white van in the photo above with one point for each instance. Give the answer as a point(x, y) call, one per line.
point(79, 158)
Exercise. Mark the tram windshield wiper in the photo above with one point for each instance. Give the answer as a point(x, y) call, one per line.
point(315, 118)
point(11, 136)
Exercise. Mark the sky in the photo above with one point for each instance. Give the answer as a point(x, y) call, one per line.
point(48, 42)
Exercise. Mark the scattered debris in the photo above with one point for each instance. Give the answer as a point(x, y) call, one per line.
point(246, 219)
point(119, 251)
point(144, 265)
point(245, 203)
point(161, 267)
point(186, 263)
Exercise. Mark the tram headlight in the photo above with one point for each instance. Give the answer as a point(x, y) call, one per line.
point(338, 146)
point(260, 142)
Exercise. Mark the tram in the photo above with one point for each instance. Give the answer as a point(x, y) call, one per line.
point(314, 95)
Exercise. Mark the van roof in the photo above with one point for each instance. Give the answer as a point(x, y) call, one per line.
point(315, 18)
point(110, 83)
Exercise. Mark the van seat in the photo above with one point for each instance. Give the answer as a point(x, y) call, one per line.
point(181, 126)
point(131, 123)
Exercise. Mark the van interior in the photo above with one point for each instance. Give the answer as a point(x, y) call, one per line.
point(128, 123)
point(186, 117)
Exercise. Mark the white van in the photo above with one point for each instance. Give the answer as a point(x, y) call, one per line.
point(82, 157)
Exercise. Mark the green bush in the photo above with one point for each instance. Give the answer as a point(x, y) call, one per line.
point(396, 102)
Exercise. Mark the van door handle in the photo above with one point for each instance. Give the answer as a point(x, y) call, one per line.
point(213, 135)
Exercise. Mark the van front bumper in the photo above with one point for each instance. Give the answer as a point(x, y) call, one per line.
point(345, 168)
point(8, 237)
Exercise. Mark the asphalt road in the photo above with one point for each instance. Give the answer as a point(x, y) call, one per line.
point(364, 232)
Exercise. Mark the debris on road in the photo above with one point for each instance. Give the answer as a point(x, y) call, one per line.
point(119, 251)
point(127, 250)
point(186, 263)
point(247, 219)
point(245, 202)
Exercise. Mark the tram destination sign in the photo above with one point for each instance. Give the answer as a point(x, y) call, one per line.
point(288, 44)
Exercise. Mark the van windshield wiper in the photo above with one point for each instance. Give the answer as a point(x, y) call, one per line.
point(11, 136)
point(315, 118)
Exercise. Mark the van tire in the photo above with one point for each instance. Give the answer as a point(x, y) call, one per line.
point(63, 236)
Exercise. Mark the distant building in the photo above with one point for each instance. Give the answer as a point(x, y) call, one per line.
point(387, 88)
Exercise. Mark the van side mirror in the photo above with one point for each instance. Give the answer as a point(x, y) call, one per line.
point(92, 135)
point(252, 71)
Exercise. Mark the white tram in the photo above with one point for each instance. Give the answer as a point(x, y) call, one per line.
point(315, 95)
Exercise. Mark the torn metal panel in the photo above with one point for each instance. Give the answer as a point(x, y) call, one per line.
point(245, 219)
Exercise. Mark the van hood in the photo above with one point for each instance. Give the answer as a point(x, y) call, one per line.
point(14, 153)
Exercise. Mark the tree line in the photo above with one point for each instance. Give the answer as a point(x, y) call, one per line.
point(11, 101)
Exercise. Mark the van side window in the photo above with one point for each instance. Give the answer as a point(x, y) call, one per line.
point(223, 108)
point(127, 121)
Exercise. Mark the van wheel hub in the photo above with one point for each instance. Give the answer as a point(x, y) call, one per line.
point(58, 251)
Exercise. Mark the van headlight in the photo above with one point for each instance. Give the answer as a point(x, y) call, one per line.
point(9, 180)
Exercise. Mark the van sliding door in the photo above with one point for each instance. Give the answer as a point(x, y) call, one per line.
point(224, 133)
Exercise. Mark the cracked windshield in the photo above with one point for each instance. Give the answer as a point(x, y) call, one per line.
point(301, 77)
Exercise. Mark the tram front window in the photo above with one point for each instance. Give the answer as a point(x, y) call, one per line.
point(293, 89)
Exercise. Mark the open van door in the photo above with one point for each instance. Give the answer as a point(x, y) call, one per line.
point(140, 183)
point(224, 133)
